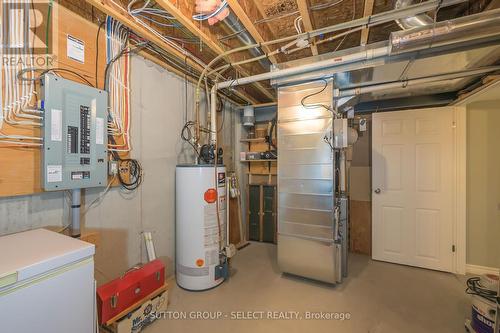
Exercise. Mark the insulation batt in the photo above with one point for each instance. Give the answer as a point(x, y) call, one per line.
point(209, 6)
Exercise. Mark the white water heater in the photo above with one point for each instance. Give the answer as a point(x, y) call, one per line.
point(200, 194)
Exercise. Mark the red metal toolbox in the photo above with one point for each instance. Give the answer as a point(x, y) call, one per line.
point(116, 296)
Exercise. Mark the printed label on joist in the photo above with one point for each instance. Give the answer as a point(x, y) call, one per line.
point(75, 49)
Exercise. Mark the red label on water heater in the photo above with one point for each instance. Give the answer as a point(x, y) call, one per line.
point(210, 195)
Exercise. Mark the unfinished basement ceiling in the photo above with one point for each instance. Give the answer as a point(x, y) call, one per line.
point(338, 11)
point(263, 20)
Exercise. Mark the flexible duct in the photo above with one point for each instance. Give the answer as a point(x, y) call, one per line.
point(242, 34)
point(412, 21)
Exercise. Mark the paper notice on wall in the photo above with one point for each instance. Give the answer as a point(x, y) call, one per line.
point(99, 131)
point(362, 125)
point(56, 125)
point(54, 173)
point(75, 49)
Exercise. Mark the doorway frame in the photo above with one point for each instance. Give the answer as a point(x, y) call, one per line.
point(460, 191)
point(459, 208)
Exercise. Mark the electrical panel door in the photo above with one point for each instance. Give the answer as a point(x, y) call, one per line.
point(74, 133)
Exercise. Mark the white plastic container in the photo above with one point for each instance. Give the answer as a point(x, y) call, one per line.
point(198, 238)
point(46, 283)
point(483, 310)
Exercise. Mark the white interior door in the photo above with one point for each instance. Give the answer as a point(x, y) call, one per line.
point(414, 166)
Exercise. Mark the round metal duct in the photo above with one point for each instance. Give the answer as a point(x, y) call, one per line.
point(412, 21)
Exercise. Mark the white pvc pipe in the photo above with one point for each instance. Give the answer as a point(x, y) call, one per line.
point(213, 115)
point(333, 62)
point(150, 247)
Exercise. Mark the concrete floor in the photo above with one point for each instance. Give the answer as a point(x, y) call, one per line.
point(380, 298)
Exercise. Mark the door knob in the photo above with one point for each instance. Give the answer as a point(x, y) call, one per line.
point(377, 190)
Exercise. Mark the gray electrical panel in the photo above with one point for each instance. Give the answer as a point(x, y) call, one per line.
point(74, 133)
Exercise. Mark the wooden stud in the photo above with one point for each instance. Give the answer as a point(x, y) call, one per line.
point(306, 19)
point(367, 12)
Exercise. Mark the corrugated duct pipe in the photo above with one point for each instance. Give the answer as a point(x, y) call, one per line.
point(242, 34)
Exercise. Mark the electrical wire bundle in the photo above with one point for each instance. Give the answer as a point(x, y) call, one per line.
point(117, 81)
point(474, 287)
point(134, 171)
point(18, 97)
point(147, 13)
point(161, 18)
point(187, 135)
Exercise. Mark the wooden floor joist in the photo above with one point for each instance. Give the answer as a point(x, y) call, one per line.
point(368, 10)
point(303, 6)
point(121, 15)
point(183, 15)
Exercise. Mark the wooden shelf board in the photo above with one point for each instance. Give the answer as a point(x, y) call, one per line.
point(259, 161)
point(262, 174)
point(253, 140)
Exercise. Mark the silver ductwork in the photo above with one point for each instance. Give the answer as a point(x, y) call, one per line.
point(242, 34)
point(412, 21)
point(472, 28)
point(464, 44)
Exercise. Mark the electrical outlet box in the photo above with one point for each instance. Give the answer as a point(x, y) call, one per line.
point(74, 135)
point(113, 168)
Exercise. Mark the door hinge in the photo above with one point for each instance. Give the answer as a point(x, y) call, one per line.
point(453, 248)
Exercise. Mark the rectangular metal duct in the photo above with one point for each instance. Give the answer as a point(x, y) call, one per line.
point(306, 244)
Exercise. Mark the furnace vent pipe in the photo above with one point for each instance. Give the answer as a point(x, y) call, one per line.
point(233, 23)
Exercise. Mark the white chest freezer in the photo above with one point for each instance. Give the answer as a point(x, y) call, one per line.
point(46, 283)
